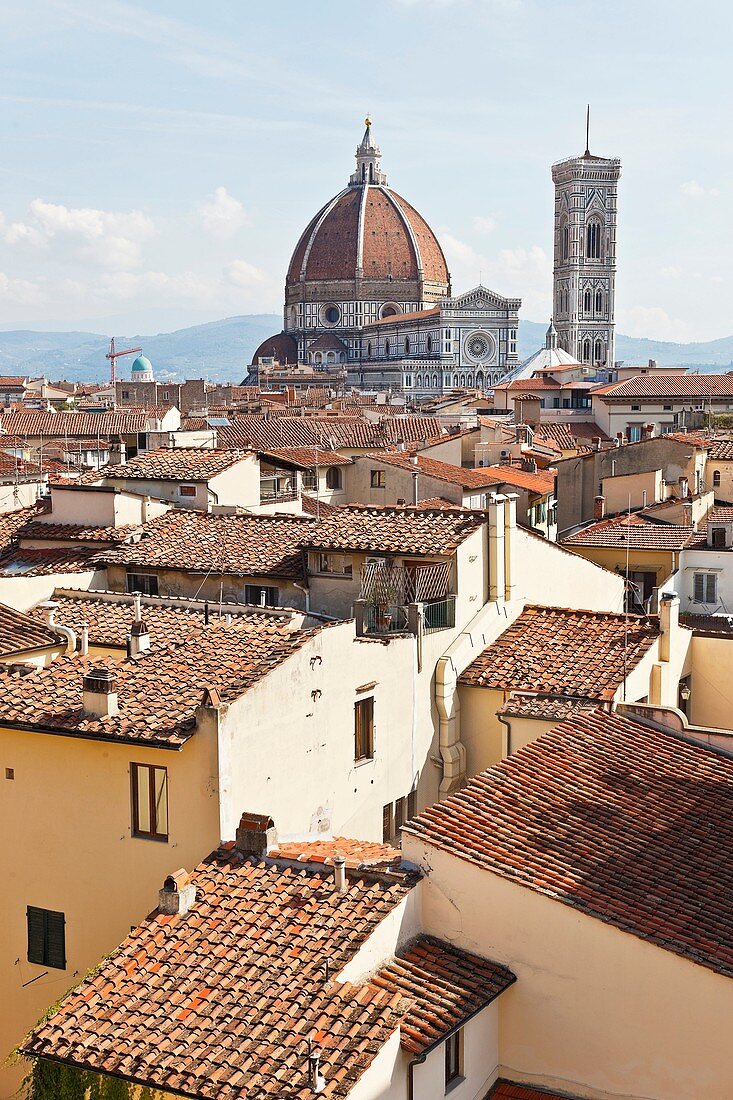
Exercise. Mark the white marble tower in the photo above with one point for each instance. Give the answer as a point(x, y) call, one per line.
point(584, 273)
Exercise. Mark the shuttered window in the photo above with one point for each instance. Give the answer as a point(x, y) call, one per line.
point(705, 588)
point(46, 937)
point(364, 729)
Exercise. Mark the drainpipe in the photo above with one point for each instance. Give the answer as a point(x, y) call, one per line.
point(416, 1061)
point(49, 608)
point(452, 750)
point(496, 547)
point(307, 592)
point(510, 526)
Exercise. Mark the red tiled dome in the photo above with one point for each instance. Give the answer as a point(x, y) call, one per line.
point(283, 347)
point(368, 232)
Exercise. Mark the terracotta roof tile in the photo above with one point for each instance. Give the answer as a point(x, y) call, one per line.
point(506, 1090)
point(236, 545)
point(39, 529)
point(720, 449)
point(443, 471)
point(357, 853)
point(19, 632)
point(537, 481)
point(276, 432)
point(158, 691)
point(174, 464)
point(12, 522)
point(43, 562)
point(445, 985)
point(413, 531)
point(238, 984)
point(308, 457)
point(72, 424)
point(620, 821)
point(669, 385)
point(635, 531)
point(553, 650)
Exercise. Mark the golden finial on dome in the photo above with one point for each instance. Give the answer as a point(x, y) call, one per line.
point(367, 122)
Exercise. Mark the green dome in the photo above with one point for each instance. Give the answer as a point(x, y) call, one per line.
point(142, 365)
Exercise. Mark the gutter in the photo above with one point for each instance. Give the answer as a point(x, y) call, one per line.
point(58, 731)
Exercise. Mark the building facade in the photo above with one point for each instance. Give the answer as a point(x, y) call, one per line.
point(584, 273)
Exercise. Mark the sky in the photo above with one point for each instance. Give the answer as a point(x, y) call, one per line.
point(160, 159)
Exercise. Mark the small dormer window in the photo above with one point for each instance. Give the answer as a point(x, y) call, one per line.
point(187, 490)
point(717, 538)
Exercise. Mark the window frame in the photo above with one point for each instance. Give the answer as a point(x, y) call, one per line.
point(454, 1059)
point(144, 589)
point(334, 479)
point(46, 957)
point(377, 479)
point(270, 589)
point(183, 491)
point(364, 729)
point(136, 831)
point(706, 579)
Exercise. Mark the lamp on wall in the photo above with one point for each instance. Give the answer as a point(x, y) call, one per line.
point(685, 692)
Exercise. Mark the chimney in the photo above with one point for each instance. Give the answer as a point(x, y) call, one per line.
point(139, 635)
point(647, 432)
point(618, 441)
point(510, 527)
point(669, 620)
point(339, 874)
point(599, 507)
point(414, 460)
point(596, 442)
point(84, 640)
point(415, 493)
point(316, 1081)
point(100, 695)
point(496, 547)
point(653, 364)
point(256, 834)
point(177, 895)
point(684, 487)
point(687, 514)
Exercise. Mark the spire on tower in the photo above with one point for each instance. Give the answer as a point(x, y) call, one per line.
point(551, 336)
point(368, 156)
point(587, 131)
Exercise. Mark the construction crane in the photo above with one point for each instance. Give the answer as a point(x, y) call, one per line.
point(113, 356)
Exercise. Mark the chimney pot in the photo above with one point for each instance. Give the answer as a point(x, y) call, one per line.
point(84, 640)
point(339, 874)
point(599, 507)
point(177, 895)
point(99, 693)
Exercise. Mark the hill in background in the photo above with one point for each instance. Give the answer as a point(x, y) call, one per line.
point(221, 350)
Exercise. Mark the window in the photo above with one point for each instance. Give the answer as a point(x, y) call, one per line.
point(407, 345)
point(386, 347)
point(369, 350)
point(145, 583)
point(261, 595)
point(333, 477)
point(187, 490)
point(716, 479)
point(705, 588)
point(46, 937)
point(717, 538)
point(453, 1046)
point(599, 352)
point(586, 351)
point(411, 804)
point(564, 239)
point(599, 302)
point(633, 433)
point(593, 240)
point(586, 301)
point(310, 480)
point(364, 729)
point(399, 815)
point(408, 381)
point(334, 563)
point(636, 408)
point(667, 408)
point(332, 315)
point(387, 823)
point(429, 344)
point(149, 801)
point(377, 479)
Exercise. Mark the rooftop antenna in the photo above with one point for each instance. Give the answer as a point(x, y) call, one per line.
point(587, 130)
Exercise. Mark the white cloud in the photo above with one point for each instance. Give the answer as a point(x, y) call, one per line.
point(484, 225)
point(110, 240)
point(653, 323)
point(694, 190)
point(671, 272)
point(241, 273)
point(522, 272)
point(18, 291)
point(223, 215)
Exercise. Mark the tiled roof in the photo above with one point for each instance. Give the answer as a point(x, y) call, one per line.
point(538, 481)
point(158, 691)
point(506, 1090)
point(357, 853)
point(44, 562)
point(109, 620)
point(19, 632)
point(634, 531)
point(62, 424)
point(398, 318)
point(10, 466)
point(220, 1002)
point(708, 624)
point(446, 986)
point(442, 471)
point(393, 530)
point(199, 542)
point(319, 509)
point(623, 822)
point(174, 464)
point(13, 381)
point(276, 432)
point(669, 385)
point(720, 449)
point(567, 436)
point(553, 650)
point(12, 522)
point(78, 532)
point(548, 707)
point(308, 457)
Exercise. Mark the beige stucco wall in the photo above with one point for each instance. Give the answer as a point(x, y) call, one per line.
point(68, 812)
point(595, 1012)
point(24, 592)
point(200, 586)
point(639, 488)
point(724, 491)
point(659, 562)
point(238, 485)
point(547, 574)
point(22, 495)
point(711, 682)
point(399, 484)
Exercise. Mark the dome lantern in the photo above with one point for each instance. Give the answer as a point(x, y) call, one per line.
point(368, 155)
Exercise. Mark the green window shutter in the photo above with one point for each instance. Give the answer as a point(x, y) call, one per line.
point(36, 935)
point(55, 940)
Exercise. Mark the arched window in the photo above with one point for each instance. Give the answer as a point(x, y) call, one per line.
point(599, 351)
point(371, 173)
point(363, 173)
point(333, 477)
point(369, 350)
point(319, 357)
point(469, 380)
point(716, 479)
point(593, 240)
point(586, 351)
point(418, 381)
point(407, 345)
point(586, 301)
point(435, 381)
point(455, 379)
point(565, 239)
point(386, 347)
point(463, 380)
point(331, 358)
point(429, 344)
point(480, 379)
point(599, 301)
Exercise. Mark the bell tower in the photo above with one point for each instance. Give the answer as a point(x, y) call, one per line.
point(584, 271)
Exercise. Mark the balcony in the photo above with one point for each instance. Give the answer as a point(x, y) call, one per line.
point(395, 600)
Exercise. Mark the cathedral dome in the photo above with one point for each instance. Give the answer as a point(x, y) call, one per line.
point(142, 369)
point(367, 236)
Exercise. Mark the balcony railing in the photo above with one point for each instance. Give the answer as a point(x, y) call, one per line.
point(385, 620)
point(439, 615)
